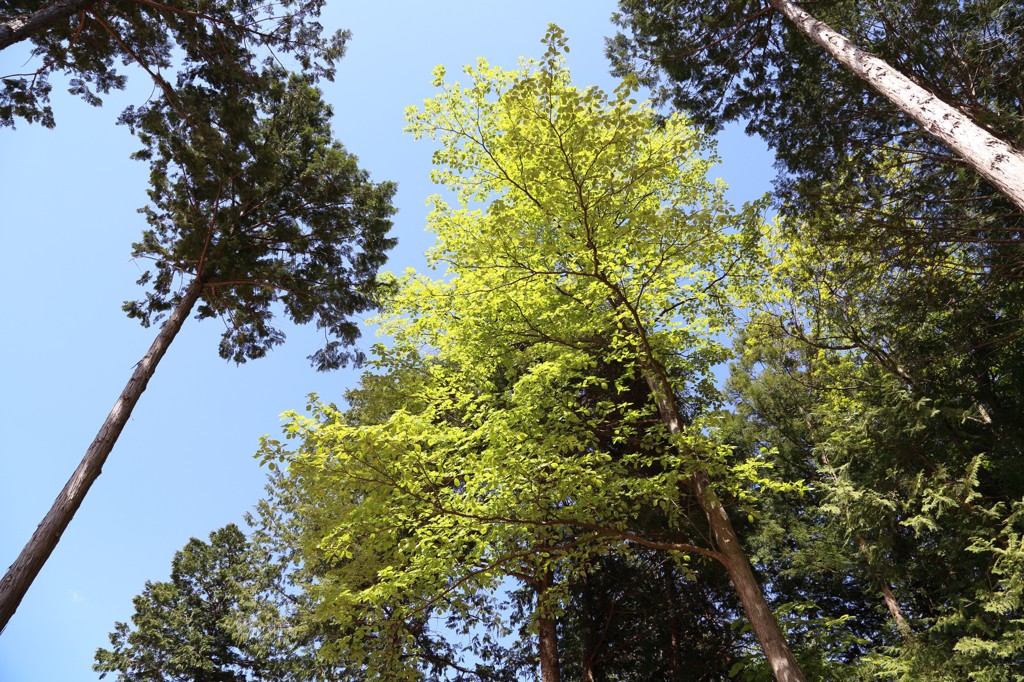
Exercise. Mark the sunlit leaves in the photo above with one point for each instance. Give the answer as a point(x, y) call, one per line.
point(581, 244)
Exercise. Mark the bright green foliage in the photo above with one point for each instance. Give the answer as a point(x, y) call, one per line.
point(225, 614)
point(251, 194)
point(587, 247)
point(175, 41)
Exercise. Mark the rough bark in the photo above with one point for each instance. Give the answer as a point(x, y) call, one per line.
point(26, 567)
point(997, 161)
point(23, 26)
point(732, 556)
point(549, 671)
point(547, 630)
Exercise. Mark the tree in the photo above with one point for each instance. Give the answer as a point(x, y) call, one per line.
point(884, 388)
point(253, 205)
point(646, 617)
point(228, 612)
point(738, 61)
point(994, 159)
point(590, 267)
point(888, 378)
point(221, 38)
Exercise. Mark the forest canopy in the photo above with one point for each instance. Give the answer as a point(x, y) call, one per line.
point(619, 428)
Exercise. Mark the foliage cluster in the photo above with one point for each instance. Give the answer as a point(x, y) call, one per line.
point(527, 481)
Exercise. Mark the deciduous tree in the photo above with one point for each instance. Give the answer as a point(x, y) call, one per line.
point(591, 267)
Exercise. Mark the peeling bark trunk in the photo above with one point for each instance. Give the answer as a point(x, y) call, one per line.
point(997, 161)
point(26, 567)
point(23, 26)
point(732, 556)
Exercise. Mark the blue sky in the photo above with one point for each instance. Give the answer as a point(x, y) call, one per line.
point(183, 466)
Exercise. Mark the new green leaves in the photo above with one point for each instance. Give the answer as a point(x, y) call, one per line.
point(584, 247)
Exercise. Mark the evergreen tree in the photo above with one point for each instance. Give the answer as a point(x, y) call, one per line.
point(227, 40)
point(252, 204)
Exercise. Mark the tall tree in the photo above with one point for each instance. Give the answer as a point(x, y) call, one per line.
point(740, 61)
point(253, 204)
point(84, 39)
point(993, 158)
point(229, 611)
point(885, 387)
point(886, 378)
point(591, 266)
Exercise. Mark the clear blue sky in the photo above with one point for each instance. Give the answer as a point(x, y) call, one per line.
point(183, 466)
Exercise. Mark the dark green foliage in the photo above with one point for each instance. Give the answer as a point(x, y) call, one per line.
point(891, 380)
point(251, 194)
point(845, 154)
point(218, 38)
point(643, 617)
point(226, 614)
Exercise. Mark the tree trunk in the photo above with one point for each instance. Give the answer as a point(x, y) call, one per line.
point(547, 631)
point(675, 663)
point(23, 26)
point(890, 599)
point(998, 162)
point(777, 652)
point(781, 660)
point(28, 564)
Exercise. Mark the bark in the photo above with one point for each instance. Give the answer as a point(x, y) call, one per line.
point(547, 628)
point(997, 161)
point(732, 556)
point(896, 612)
point(23, 26)
point(26, 567)
point(549, 671)
point(776, 650)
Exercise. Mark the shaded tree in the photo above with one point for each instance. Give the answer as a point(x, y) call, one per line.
point(254, 207)
point(228, 612)
point(225, 40)
point(739, 61)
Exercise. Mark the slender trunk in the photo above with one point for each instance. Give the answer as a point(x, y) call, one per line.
point(547, 630)
point(896, 612)
point(26, 567)
point(23, 26)
point(777, 652)
point(589, 636)
point(998, 162)
point(902, 625)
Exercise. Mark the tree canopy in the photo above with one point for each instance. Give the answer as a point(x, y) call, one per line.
point(590, 268)
point(219, 41)
point(544, 459)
